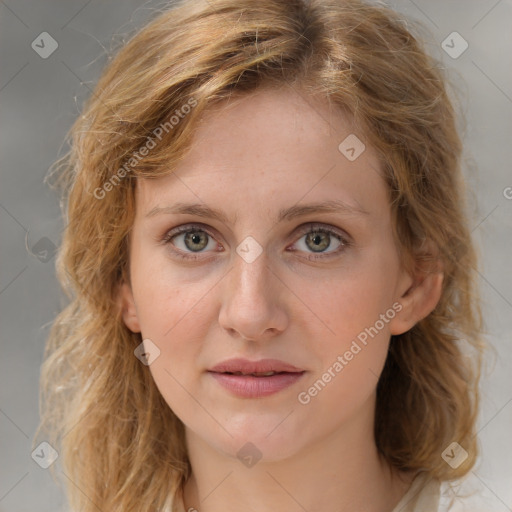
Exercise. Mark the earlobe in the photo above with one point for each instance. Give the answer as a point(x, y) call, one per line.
point(419, 300)
point(127, 305)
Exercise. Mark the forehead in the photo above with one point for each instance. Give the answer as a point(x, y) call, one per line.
point(268, 149)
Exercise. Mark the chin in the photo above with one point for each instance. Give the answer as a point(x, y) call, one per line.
point(268, 441)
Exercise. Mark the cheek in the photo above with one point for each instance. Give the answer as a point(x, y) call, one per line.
point(175, 314)
point(176, 320)
point(175, 326)
point(166, 295)
point(350, 362)
point(357, 308)
point(352, 302)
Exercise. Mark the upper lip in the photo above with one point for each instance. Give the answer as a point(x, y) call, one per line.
point(261, 366)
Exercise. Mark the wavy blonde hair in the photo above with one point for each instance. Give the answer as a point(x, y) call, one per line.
point(121, 446)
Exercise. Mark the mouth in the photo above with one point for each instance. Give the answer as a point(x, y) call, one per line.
point(255, 379)
point(263, 367)
point(254, 374)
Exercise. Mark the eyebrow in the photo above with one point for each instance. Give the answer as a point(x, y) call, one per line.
point(202, 210)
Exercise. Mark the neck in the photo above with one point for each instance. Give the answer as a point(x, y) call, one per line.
point(342, 471)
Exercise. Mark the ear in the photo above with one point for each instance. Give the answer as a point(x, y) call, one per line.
point(127, 305)
point(421, 291)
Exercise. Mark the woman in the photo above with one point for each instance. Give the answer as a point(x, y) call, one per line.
point(270, 270)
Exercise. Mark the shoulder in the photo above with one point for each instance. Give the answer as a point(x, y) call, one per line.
point(423, 494)
point(427, 494)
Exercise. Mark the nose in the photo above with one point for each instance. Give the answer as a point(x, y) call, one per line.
point(252, 304)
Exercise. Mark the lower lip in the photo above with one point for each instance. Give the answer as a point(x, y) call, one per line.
point(248, 386)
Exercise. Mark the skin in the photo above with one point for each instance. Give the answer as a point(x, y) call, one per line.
point(252, 157)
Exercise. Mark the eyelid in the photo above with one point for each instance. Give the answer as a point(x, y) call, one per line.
point(178, 230)
point(318, 226)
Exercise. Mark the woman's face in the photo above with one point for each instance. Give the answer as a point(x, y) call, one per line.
point(251, 283)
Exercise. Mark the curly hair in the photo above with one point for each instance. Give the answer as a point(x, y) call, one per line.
point(122, 448)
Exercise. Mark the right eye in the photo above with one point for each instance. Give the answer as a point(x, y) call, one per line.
point(189, 239)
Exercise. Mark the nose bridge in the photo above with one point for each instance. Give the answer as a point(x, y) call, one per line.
point(251, 278)
point(250, 299)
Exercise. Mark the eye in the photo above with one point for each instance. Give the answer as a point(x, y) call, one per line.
point(190, 239)
point(318, 238)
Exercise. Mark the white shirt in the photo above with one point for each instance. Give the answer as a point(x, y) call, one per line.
point(423, 496)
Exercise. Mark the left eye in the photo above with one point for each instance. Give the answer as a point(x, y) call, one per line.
point(191, 240)
point(318, 239)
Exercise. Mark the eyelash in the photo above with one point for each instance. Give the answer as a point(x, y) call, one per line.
point(307, 229)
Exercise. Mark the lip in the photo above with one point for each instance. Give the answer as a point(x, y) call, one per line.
point(246, 366)
point(250, 386)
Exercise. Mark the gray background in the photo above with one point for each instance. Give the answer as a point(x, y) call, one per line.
point(40, 98)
